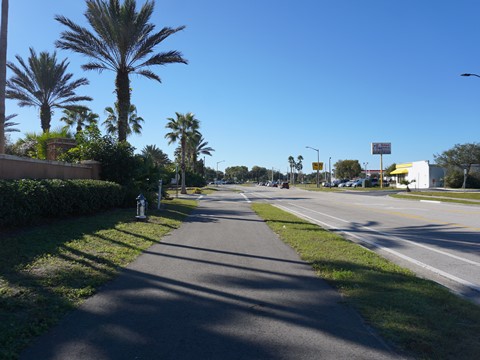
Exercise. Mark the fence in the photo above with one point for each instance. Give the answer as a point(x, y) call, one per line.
point(15, 167)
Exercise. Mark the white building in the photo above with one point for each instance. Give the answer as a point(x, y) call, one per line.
point(420, 174)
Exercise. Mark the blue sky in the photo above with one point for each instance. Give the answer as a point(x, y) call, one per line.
point(266, 78)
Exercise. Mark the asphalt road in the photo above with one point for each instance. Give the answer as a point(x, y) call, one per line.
point(223, 286)
point(438, 241)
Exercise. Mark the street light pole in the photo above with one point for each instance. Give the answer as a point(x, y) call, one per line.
point(218, 162)
point(330, 171)
point(318, 164)
point(470, 75)
point(365, 167)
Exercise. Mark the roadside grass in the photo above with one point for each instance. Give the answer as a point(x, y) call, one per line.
point(417, 317)
point(47, 271)
point(468, 198)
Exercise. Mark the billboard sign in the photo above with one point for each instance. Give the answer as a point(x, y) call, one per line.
point(381, 148)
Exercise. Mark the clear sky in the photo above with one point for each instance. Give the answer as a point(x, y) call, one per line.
point(266, 78)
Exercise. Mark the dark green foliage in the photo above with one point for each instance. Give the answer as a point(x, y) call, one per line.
point(117, 158)
point(24, 202)
point(194, 180)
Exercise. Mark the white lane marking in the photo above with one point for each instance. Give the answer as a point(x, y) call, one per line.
point(471, 262)
point(431, 201)
point(246, 198)
point(393, 252)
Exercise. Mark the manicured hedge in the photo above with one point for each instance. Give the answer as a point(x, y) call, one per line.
point(24, 202)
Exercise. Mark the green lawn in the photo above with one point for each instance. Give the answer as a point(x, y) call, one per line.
point(419, 317)
point(47, 271)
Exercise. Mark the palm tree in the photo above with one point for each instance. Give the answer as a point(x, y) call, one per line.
point(182, 128)
point(299, 167)
point(158, 156)
point(112, 121)
point(45, 84)
point(291, 162)
point(78, 118)
point(3, 71)
point(9, 125)
point(197, 146)
point(123, 41)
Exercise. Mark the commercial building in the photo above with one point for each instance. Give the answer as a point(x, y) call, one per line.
point(420, 174)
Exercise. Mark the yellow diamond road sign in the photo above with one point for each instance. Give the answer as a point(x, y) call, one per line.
point(317, 165)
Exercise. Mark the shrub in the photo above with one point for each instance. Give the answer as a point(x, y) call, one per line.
point(23, 202)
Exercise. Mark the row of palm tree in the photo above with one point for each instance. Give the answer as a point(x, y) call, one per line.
point(295, 165)
point(122, 40)
point(184, 130)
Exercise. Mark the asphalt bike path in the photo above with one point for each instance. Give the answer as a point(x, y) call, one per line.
point(222, 286)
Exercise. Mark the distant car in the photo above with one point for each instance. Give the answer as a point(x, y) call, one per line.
point(285, 185)
point(358, 183)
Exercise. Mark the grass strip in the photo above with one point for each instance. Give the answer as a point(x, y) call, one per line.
point(47, 271)
point(433, 198)
point(418, 317)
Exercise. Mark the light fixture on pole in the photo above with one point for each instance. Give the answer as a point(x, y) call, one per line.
point(318, 164)
point(470, 75)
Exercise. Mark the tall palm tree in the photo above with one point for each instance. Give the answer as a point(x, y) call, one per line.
point(111, 123)
point(197, 146)
point(182, 128)
point(291, 162)
point(299, 167)
point(78, 118)
point(3, 71)
point(44, 83)
point(122, 41)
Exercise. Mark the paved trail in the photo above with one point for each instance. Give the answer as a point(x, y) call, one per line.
point(223, 286)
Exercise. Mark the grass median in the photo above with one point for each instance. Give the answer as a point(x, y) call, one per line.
point(47, 271)
point(418, 317)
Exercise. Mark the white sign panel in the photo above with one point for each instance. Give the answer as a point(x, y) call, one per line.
point(381, 148)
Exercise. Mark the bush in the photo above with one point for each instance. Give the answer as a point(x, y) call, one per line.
point(23, 202)
point(454, 179)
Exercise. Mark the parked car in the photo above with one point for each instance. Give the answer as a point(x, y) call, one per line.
point(285, 185)
point(358, 183)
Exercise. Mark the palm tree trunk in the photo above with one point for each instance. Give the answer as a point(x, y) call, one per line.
point(122, 83)
point(45, 117)
point(3, 71)
point(183, 145)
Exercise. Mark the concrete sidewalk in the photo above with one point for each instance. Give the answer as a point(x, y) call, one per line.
point(223, 286)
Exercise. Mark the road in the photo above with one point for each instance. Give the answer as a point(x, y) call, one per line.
point(438, 241)
point(222, 286)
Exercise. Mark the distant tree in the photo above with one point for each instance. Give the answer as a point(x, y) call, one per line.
point(389, 169)
point(197, 146)
point(259, 173)
point(111, 123)
point(239, 173)
point(45, 84)
point(183, 127)
point(347, 169)
point(123, 41)
point(291, 163)
point(461, 156)
point(78, 118)
point(299, 166)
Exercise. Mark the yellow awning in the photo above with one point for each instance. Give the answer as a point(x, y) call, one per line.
point(399, 171)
